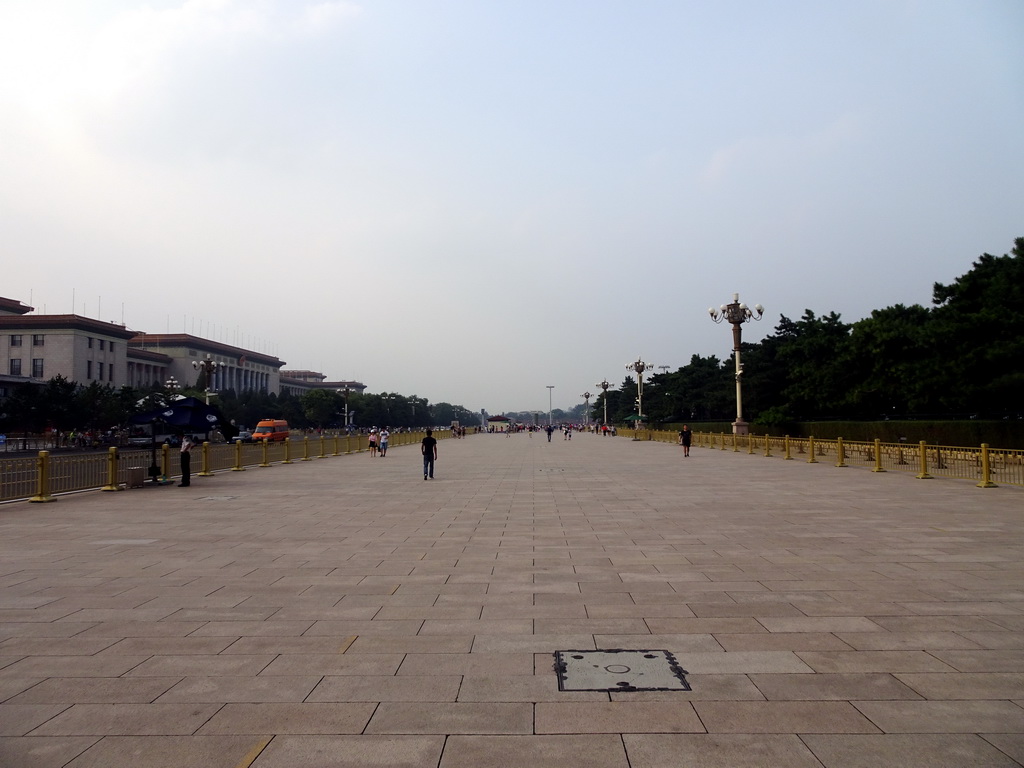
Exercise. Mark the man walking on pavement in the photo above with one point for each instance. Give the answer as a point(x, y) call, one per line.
point(428, 447)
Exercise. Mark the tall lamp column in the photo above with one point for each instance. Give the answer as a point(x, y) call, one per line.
point(208, 366)
point(550, 387)
point(737, 314)
point(604, 385)
point(639, 367)
point(586, 413)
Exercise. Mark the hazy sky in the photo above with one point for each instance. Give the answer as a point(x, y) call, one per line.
point(469, 200)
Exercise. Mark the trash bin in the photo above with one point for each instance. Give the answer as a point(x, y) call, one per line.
point(136, 477)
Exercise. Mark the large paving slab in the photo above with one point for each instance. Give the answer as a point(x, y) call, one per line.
point(345, 612)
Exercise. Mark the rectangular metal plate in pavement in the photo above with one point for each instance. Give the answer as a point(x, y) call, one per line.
point(619, 670)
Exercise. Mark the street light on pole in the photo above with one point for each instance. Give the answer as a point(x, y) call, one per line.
point(604, 385)
point(639, 366)
point(208, 366)
point(346, 392)
point(550, 387)
point(586, 413)
point(736, 314)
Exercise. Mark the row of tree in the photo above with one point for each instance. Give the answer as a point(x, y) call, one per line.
point(961, 357)
point(65, 406)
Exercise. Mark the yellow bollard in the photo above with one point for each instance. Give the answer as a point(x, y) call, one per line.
point(305, 448)
point(112, 484)
point(43, 478)
point(723, 440)
point(986, 469)
point(841, 453)
point(878, 456)
point(205, 470)
point(165, 461)
point(238, 456)
point(810, 450)
point(348, 443)
point(287, 451)
point(750, 444)
point(337, 446)
point(923, 474)
point(323, 448)
point(767, 446)
point(785, 443)
point(266, 454)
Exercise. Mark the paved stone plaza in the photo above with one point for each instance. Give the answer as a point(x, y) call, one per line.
point(344, 612)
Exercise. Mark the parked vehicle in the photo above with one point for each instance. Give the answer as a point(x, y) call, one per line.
point(141, 436)
point(271, 430)
point(245, 436)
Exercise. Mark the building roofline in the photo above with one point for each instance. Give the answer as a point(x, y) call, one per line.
point(154, 341)
point(65, 322)
point(14, 306)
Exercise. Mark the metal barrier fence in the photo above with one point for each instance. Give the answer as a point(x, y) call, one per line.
point(989, 467)
point(46, 475)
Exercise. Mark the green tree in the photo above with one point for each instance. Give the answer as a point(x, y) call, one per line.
point(893, 354)
point(815, 351)
point(979, 318)
point(703, 389)
point(320, 406)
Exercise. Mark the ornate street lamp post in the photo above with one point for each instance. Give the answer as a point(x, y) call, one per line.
point(639, 367)
point(346, 392)
point(172, 386)
point(387, 399)
point(550, 387)
point(737, 314)
point(604, 385)
point(208, 366)
point(586, 414)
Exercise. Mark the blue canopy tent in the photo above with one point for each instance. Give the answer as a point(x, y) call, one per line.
point(188, 414)
point(184, 415)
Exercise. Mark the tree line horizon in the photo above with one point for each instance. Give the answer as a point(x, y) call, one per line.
point(963, 357)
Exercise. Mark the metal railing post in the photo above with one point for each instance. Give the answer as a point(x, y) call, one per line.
point(43, 478)
point(923, 474)
point(287, 451)
point(266, 453)
point(205, 461)
point(238, 456)
point(986, 469)
point(810, 450)
point(111, 470)
point(305, 448)
point(878, 456)
point(840, 453)
point(323, 447)
point(785, 442)
point(767, 445)
point(165, 461)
